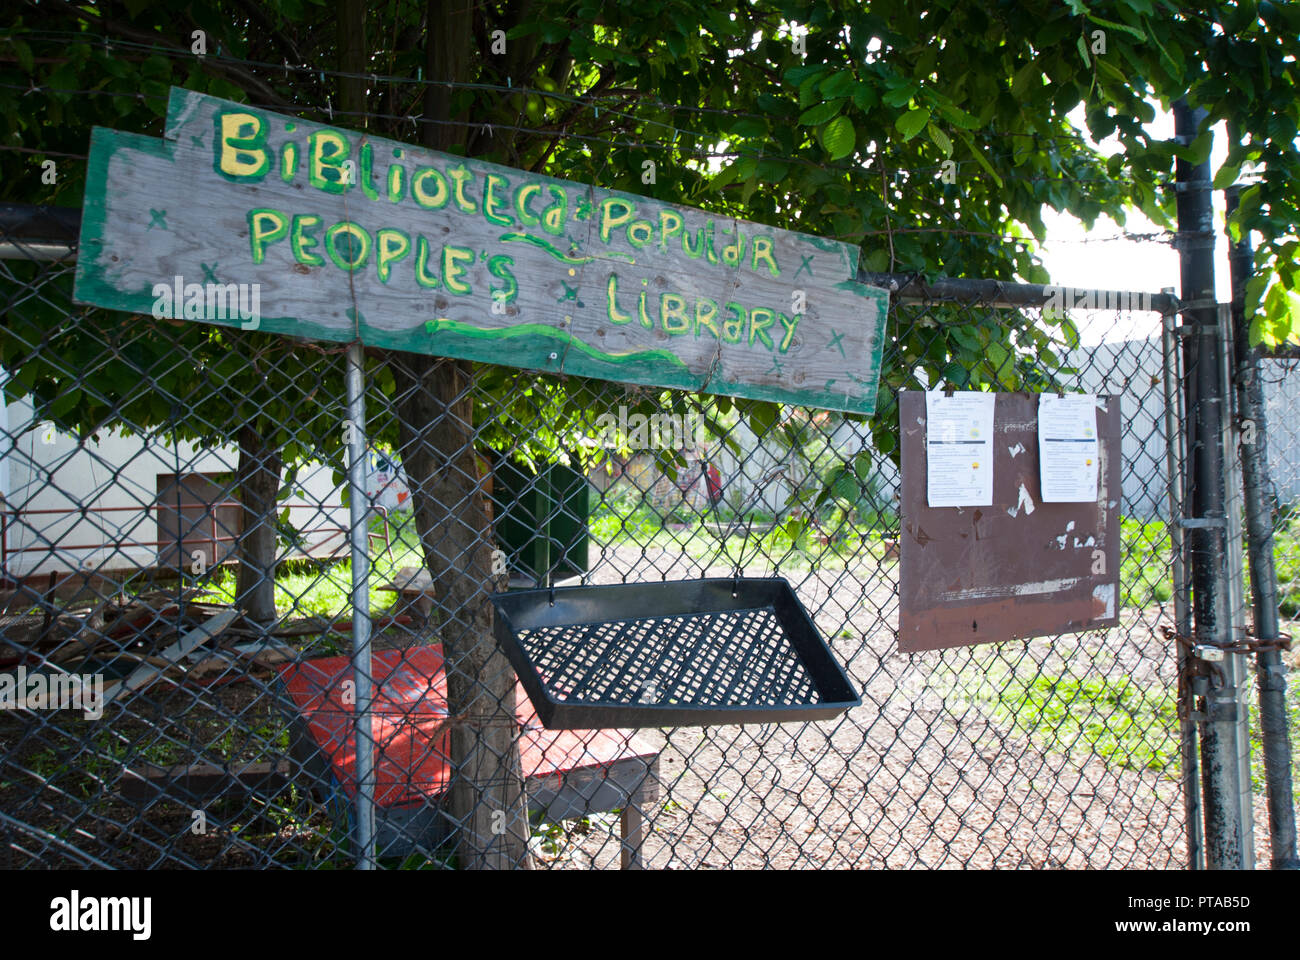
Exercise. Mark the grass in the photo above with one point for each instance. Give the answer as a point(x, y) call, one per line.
point(311, 588)
point(1257, 774)
point(833, 541)
point(1146, 568)
point(1120, 721)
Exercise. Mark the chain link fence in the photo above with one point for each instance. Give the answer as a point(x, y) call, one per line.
point(176, 531)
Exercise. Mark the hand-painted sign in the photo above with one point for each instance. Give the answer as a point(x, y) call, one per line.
point(330, 234)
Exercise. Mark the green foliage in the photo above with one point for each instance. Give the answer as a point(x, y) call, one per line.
point(1146, 570)
point(1286, 558)
point(842, 136)
point(1119, 720)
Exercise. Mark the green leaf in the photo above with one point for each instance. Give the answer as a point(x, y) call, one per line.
point(838, 85)
point(983, 162)
point(1226, 176)
point(1124, 27)
point(1020, 82)
point(940, 139)
point(959, 118)
point(749, 127)
point(24, 54)
point(838, 137)
point(823, 112)
point(762, 417)
point(899, 96)
point(1083, 50)
point(772, 170)
point(912, 122)
point(865, 97)
point(877, 261)
point(797, 75)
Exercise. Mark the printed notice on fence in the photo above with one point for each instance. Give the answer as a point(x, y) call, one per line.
point(959, 449)
point(1067, 447)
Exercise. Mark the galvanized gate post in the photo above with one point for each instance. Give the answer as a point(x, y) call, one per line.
point(1207, 525)
point(358, 509)
point(1176, 460)
point(1234, 667)
point(1270, 669)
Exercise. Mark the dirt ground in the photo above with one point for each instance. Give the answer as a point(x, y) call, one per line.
point(927, 773)
point(920, 775)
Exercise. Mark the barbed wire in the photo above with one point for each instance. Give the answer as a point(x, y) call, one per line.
point(593, 100)
point(331, 112)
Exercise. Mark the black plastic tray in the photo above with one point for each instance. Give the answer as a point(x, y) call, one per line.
point(677, 653)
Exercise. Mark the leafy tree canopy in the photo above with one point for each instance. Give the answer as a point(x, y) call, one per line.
point(934, 135)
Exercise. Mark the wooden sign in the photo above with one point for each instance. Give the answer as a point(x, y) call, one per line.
point(253, 219)
point(1021, 567)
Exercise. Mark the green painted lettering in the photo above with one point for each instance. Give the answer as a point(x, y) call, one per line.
point(422, 196)
point(706, 311)
point(454, 261)
point(611, 302)
point(301, 243)
point(366, 173)
point(524, 196)
point(670, 225)
point(265, 227)
point(352, 252)
point(240, 146)
point(553, 216)
point(734, 252)
point(760, 318)
point(396, 183)
point(763, 251)
point(460, 176)
point(326, 151)
point(391, 245)
point(733, 327)
point(422, 275)
point(698, 250)
point(499, 266)
point(672, 314)
point(645, 317)
point(288, 161)
point(491, 202)
point(608, 220)
point(640, 232)
point(789, 323)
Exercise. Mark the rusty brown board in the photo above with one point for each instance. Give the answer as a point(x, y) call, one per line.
point(1019, 568)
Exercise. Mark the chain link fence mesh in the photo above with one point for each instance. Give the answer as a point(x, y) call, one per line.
point(176, 524)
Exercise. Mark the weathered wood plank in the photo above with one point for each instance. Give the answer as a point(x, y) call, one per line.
point(416, 250)
point(200, 782)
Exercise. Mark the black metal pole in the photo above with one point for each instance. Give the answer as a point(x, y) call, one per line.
point(1207, 526)
point(1270, 670)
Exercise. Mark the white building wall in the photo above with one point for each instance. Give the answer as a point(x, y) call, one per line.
point(116, 481)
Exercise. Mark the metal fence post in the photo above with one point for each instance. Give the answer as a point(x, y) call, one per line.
point(1234, 668)
point(1176, 459)
point(360, 544)
point(1207, 526)
point(1263, 575)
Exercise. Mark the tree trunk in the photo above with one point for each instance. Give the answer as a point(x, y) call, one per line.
point(487, 800)
point(258, 482)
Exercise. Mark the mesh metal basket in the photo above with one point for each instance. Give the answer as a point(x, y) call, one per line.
point(687, 652)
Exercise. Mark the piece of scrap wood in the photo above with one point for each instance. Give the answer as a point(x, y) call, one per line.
point(173, 655)
point(203, 781)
